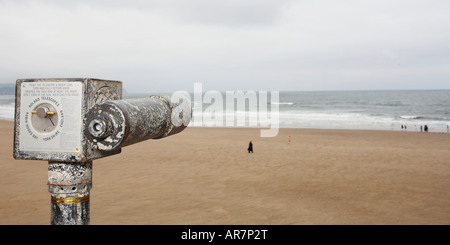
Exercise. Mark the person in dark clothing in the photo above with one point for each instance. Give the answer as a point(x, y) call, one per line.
point(250, 147)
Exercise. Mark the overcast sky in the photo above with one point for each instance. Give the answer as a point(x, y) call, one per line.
point(163, 46)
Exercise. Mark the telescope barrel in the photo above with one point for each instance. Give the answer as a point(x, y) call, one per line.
point(118, 123)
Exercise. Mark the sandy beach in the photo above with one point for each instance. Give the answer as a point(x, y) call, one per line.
point(206, 176)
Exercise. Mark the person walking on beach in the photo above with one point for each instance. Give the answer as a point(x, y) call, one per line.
point(447, 129)
point(250, 147)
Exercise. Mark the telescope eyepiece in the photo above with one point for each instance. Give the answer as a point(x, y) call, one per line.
point(100, 128)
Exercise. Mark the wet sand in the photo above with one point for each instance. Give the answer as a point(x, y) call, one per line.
point(206, 176)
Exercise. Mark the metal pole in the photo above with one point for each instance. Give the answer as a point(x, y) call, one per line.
point(69, 185)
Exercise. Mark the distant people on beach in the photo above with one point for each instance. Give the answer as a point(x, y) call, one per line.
point(425, 128)
point(250, 147)
point(403, 127)
point(421, 129)
point(447, 129)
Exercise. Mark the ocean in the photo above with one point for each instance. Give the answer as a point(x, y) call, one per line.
point(371, 110)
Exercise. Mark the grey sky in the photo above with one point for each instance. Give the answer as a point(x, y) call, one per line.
point(163, 46)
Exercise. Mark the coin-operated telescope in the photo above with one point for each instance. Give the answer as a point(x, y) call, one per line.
point(71, 122)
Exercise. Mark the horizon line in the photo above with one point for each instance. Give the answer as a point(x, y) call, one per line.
point(342, 90)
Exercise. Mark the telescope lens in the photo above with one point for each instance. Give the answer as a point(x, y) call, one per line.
point(97, 127)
